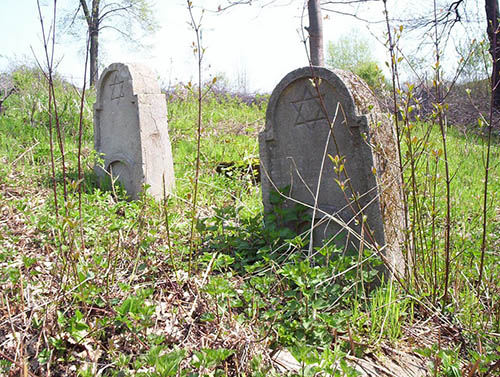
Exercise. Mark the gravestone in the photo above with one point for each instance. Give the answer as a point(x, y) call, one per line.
point(327, 146)
point(131, 131)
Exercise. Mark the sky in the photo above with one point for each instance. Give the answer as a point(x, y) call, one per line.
point(250, 44)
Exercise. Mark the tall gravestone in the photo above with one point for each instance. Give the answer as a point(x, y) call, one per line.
point(329, 147)
point(131, 131)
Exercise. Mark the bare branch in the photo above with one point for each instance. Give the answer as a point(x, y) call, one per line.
point(352, 15)
point(114, 5)
point(119, 31)
point(106, 14)
point(231, 4)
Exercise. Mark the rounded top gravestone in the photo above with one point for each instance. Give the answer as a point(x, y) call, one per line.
point(131, 132)
point(316, 149)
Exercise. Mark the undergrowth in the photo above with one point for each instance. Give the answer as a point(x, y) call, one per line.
point(110, 292)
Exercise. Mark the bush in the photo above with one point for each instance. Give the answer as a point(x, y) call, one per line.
point(371, 74)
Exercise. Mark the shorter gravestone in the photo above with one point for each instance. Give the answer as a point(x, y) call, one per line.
point(131, 131)
point(329, 147)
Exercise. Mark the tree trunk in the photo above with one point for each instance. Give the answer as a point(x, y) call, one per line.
point(94, 54)
point(316, 33)
point(94, 68)
point(94, 43)
point(492, 15)
point(92, 19)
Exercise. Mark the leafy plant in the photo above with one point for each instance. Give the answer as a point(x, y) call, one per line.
point(163, 362)
point(210, 358)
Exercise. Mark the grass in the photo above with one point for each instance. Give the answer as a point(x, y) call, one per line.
point(110, 293)
point(226, 137)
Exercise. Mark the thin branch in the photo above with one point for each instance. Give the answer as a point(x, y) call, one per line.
point(231, 4)
point(348, 2)
point(198, 49)
point(105, 14)
point(354, 15)
point(494, 50)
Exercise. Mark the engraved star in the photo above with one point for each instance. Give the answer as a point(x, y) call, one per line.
point(307, 107)
point(116, 93)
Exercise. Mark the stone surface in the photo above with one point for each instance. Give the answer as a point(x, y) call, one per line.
point(387, 362)
point(298, 148)
point(131, 131)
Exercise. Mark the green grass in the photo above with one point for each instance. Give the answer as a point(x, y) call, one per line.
point(111, 290)
point(228, 135)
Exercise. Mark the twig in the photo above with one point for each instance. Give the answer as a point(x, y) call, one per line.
point(24, 153)
point(195, 302)
point(205, 275)
point(48, 302)
point(199, 52)
point(80, 140)
point(488, 149)
point(442, 127)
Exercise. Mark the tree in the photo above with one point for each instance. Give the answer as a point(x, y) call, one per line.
point(453, 12)
point(492, 16)
point(351, 52)
point(118, 15)
point(315, 31)
point(348, 51)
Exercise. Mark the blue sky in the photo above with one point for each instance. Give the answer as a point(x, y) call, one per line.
point(262, 45)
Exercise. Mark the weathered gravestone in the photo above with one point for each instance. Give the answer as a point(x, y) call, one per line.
point(345, 174)
point(131, 131)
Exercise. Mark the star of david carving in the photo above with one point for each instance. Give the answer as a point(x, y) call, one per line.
point(308, 107)
point(116, 88)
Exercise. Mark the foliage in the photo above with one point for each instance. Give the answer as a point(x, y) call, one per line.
point(352, 52)
point(348, 51)
point(371, 74)
point(476, 60)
